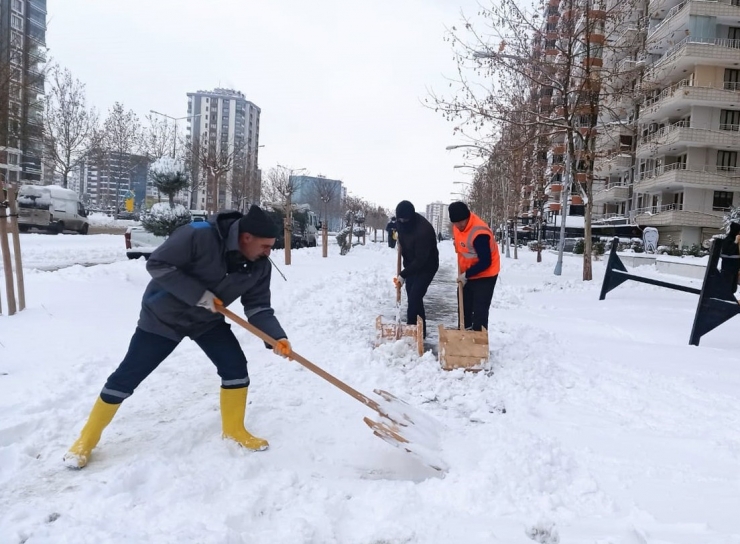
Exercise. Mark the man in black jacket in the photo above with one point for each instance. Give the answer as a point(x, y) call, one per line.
point(420, 258)
point(391, 228)
point(199, 267)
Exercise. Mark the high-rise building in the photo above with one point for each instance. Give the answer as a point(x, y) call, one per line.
point(223, 131)
point(437, 215)
point(22, 50)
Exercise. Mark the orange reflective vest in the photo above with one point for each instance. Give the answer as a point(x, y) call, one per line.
point(466, 255)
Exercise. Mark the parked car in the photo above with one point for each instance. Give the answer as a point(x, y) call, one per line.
point(141, 243)
point(51, 208)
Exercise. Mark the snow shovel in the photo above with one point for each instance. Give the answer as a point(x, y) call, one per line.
point(460, 348)
point(391, 332)
point(399, 424)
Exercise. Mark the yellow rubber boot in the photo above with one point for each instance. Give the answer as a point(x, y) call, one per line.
point(233, 407)
point(101, 415)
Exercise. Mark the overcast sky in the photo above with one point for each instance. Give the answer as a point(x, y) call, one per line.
point(340, 82)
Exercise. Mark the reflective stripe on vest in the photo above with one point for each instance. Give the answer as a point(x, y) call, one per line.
point(469, 251)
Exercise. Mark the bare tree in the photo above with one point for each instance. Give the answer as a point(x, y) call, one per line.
point(120, 139)
point(69, 126)
point(215, 162)
point(160, 138)
point(328, 193)
point(545, 70)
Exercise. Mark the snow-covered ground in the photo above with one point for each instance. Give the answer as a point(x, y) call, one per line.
point(615, 432)
point(47, 253)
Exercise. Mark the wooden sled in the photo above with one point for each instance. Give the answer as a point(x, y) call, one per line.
point(460, 348)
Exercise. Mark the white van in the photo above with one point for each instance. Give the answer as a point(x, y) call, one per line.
point(51, 208)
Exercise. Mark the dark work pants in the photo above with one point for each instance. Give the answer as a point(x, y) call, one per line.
point(147, 350)
point(477, 295)
point(391, 241)
point(729, 271)
point(416, 288)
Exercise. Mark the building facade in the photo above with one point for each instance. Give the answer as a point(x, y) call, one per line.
point(223, 131)
point(674, 163)
point(438, 216)
point(22, 52)
point(323, 195)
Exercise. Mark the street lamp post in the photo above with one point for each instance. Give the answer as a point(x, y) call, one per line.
point(175, 119)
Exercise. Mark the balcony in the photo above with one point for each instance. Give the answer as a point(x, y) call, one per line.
point(611, 136)
point(675, 215)
point(672, 137)
point(684, 95)
point(553, 189)
point(677, 18)
point(613, 164)
point(612, 193)
point(690, 51)
point(678, 175)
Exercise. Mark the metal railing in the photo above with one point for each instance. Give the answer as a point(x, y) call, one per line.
point(728, 171)
point(670, 91)
point(673, 51)
point(652, 210)
point(668, 16)
point(664, 131)
point(731, 127)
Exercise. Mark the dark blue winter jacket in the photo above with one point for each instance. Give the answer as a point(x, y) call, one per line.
point(199, 257)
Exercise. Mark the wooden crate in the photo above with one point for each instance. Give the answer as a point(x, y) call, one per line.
point(462, 349)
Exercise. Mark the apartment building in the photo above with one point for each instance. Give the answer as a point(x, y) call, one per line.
point(224, 125)
point(674, 164)
point(106, 179)
point(22, 53)
point(689, 124)
point(437, 214)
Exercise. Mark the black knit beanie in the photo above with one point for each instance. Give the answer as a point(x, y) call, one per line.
point(258, 224)
point(405, 210)
point(458, 212)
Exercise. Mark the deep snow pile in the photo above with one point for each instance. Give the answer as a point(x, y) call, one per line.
point(615, 431)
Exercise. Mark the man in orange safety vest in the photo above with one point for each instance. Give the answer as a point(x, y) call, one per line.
point(478, 262)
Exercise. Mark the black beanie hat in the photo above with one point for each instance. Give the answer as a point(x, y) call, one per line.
point(257, 223)
point(458, 212)
point(405, 210)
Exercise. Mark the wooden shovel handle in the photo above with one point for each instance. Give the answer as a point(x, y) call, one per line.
point(460, 308)
point(398, 271)
point(300, 359)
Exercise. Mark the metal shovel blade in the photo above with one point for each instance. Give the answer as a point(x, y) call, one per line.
point(409, 429)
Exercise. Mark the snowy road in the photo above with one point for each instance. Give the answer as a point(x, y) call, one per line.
point(616, 431)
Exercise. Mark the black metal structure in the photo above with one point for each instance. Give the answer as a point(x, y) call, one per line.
point(717, 302)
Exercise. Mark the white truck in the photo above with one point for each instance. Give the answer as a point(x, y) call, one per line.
point(51, 208)
point(141, 243)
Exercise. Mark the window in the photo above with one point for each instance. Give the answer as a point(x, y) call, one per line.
point(734, 34)
point(722, 200)
point(726, 160)
point(18, 6)
point(16, 22)
point(732, 78)
point(678, 200)
point(729, 120)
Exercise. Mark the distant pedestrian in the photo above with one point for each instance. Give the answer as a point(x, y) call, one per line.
point(439, 237)
point(391, 229)
point(730, 253)
point(478, 262)
point(420, 259)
